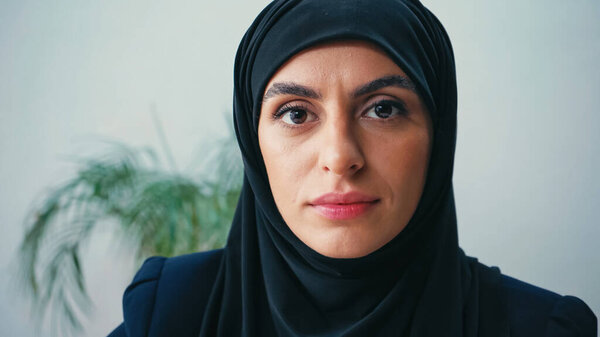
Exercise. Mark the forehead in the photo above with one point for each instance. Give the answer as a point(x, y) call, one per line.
point(351, 62)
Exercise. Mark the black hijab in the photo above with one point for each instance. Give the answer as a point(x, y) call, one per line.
point(420, 283)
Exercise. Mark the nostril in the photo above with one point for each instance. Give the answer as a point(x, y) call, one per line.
point(355, 167)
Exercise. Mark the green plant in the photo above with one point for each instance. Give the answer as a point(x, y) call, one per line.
point(160, 212)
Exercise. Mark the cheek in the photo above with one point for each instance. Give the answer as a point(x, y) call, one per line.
point(287, 166)
point(403, 161)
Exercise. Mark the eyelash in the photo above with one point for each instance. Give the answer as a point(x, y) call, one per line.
point(287, 108)
point(277, 115)
point(403, 111)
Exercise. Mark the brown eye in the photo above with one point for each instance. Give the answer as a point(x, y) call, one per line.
point(385, 109)
point(295, 116)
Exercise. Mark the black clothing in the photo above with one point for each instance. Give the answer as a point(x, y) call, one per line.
point(167, 296)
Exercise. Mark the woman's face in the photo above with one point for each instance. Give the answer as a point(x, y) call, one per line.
point(346, 141)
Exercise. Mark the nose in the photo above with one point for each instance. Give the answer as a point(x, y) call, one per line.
point(340, 151)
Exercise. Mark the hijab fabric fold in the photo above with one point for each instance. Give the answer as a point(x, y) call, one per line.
point(420, 283)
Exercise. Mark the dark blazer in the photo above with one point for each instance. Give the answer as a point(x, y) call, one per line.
point(168, 297)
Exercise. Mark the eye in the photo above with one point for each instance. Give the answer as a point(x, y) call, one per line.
point(386, 109)
point(293, 114)
point(297, 116)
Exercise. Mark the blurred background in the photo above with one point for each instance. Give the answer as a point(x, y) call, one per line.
point(76, 76)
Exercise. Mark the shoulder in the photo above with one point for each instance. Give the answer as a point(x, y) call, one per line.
point(533, 311)
point(168, 295)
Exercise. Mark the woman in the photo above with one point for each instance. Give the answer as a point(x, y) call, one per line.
point(345, 113)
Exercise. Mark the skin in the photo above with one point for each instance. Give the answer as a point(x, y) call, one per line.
point(327, 139)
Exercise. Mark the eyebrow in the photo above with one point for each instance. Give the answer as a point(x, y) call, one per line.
point(386, 81)
point(291, 88)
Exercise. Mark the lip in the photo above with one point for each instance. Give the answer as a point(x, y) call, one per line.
point(343, 206)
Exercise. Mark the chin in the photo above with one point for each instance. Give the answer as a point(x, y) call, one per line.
point(346, 252)
point(343, 243)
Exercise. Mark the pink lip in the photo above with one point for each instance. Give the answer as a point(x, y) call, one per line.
point(342, 206)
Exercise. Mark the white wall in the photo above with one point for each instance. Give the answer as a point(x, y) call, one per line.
point(525, 182)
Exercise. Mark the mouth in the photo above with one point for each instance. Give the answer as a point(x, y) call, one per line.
point(343, 206)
